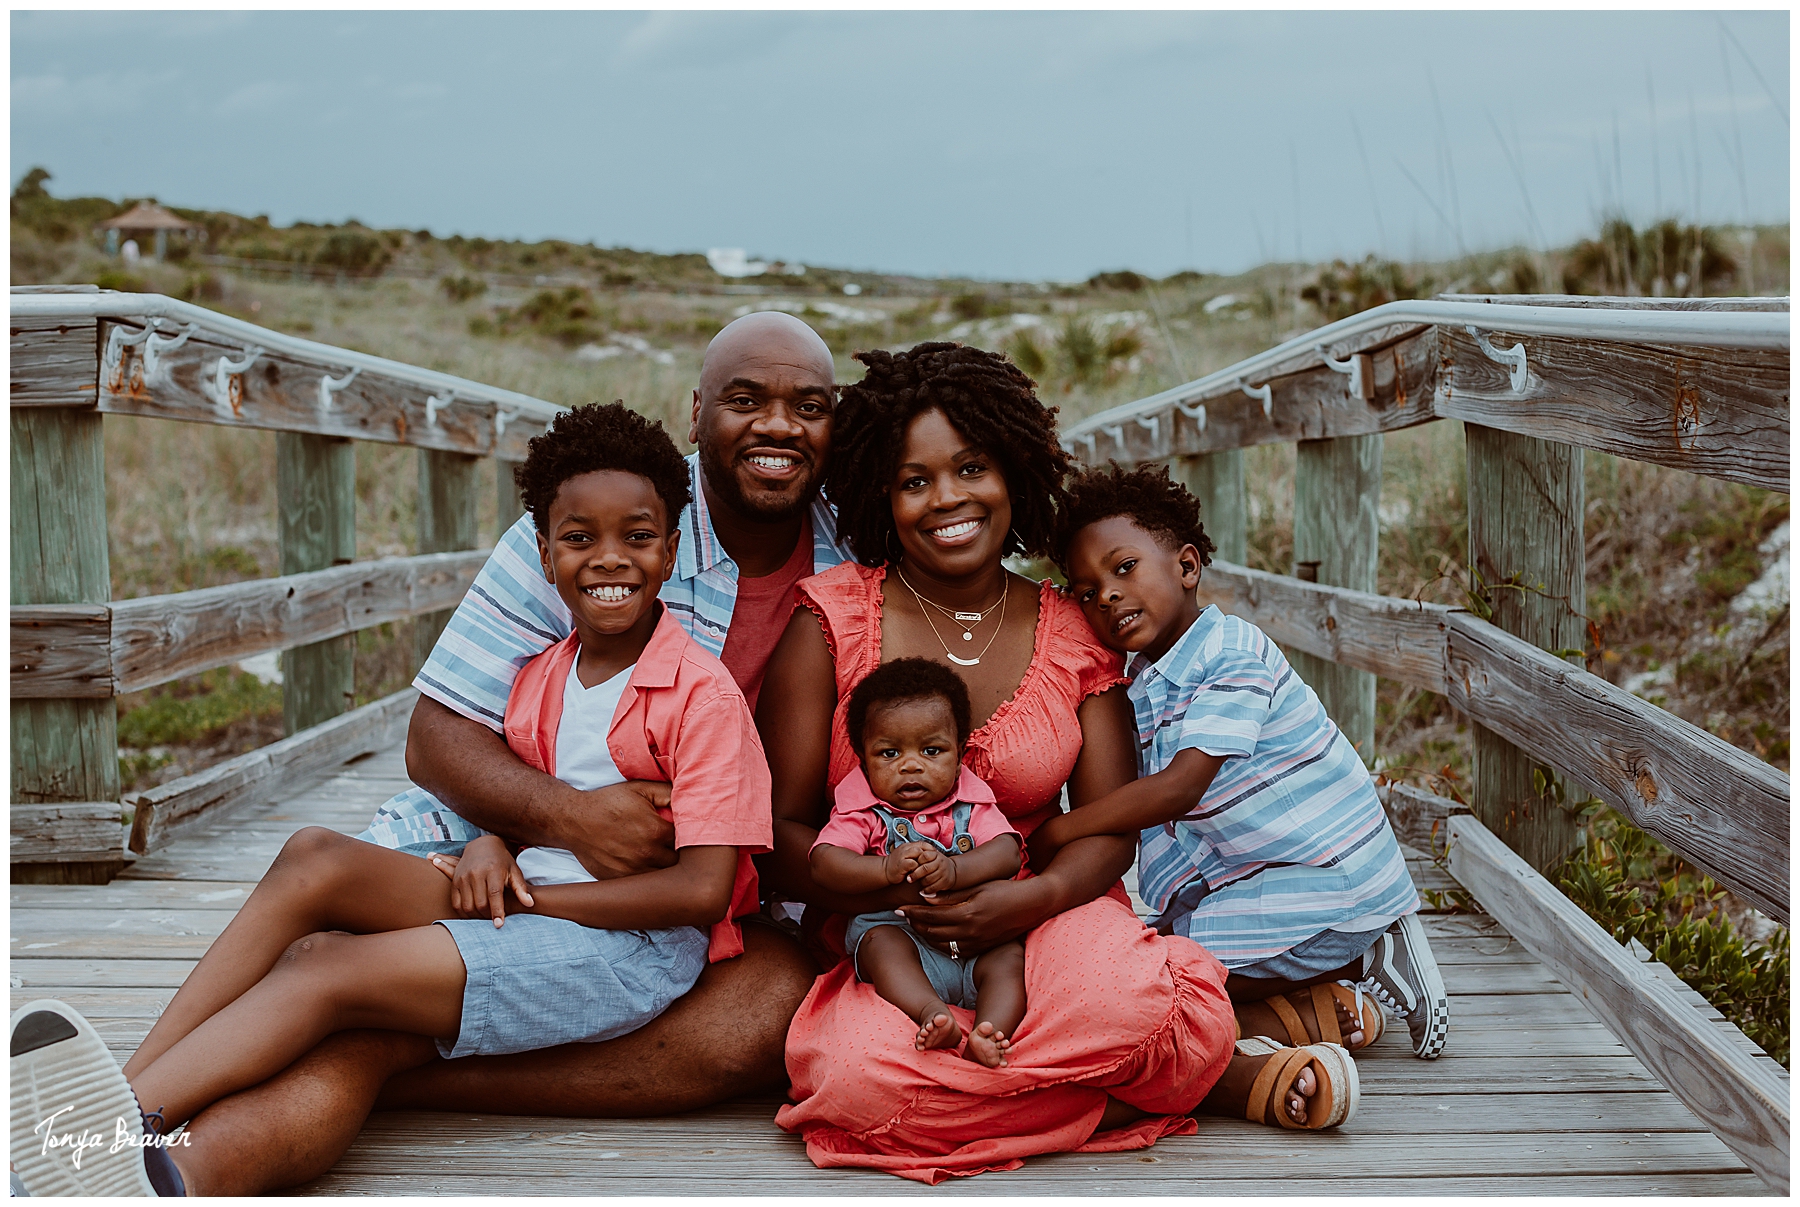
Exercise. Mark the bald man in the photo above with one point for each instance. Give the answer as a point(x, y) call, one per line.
point(762, 422)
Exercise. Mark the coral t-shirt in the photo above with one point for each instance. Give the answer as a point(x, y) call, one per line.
point(761, 616)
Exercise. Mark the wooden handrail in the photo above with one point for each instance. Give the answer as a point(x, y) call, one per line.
point(98, 650)
point(1720, 807)
point(1704, 391)
point(88, 349)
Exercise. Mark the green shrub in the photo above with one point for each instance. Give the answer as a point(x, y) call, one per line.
point(192, 709)
point(124, 282)
point(1637, 889)
point(462, 287)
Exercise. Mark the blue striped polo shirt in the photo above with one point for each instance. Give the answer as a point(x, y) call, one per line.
point(510, 615)
point(1290, 840)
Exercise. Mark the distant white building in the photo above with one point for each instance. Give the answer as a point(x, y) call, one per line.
point(733, 262)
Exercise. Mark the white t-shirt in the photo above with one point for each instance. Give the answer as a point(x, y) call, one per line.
point(583, 761)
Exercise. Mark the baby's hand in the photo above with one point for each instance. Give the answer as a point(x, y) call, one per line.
point(480, 878)
point(904, 859)
point(935, 874)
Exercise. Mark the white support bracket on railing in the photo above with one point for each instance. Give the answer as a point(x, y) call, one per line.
point(1154, 424)
point(156, 344)
point(1196, 412)
point(500, 420)
point(228, 378)
point(435, 403)
point(1117, 432)
point(1351, 367)
point(329, 385)
point(1264, 393)
point(1513, 357)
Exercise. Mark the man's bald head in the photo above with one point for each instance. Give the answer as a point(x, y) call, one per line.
point(762, 416)
point(765, 335)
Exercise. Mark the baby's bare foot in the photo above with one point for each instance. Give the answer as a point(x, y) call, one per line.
point(937, 1029)
point(988, 1046)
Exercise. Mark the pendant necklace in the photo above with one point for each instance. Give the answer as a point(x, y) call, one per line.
point(967, 636)
point(967, 620)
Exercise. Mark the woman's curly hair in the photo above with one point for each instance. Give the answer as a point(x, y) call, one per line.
point(906, 679)
point(1147, 496)
point(985, 397)
point(587, 438)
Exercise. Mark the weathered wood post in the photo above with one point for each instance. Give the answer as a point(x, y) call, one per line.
point(1337, 533)
point(1217, 480)
point(506, 495)
point(1526, 507)
point(447, 522)
point(62, 750)
point(315, 483)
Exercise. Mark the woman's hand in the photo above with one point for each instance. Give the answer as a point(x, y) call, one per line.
point(480, 877)
point(982, 916)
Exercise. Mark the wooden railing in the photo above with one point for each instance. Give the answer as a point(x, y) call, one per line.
point(79, 354)
point(1696, 385)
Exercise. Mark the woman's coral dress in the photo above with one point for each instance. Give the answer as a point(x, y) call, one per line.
point(1114, 1009)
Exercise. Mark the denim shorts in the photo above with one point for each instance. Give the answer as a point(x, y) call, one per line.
point(1327, 951)
point(538, 982)
point(952, 980)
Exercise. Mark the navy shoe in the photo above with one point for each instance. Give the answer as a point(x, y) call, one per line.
point(1400, 972)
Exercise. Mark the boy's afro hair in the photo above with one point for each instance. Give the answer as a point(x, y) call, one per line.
point(907, 679)
point(1146, 495)
point(595, 437)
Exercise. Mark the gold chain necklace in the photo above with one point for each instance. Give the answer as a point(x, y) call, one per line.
point(966, 620)
point(976, 660)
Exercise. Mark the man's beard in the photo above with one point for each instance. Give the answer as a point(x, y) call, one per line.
point(721, 479)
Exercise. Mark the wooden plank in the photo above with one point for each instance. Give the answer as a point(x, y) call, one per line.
point(62, 750)
point(163, 637)
point(62, 651)
point(815, 1182)
point(142, 894)
point(1744, 1105)
point(1308, 402)
point(1416, 815)
point(55, 362)
point(1720, 807)
point(316, 516)
point(1217, 480)
point(724, 1158)
point(1722, 412)
point(81, 974)
point(67, 832)
point(281, 391)
point(165, 811)
point(1337, 533)
point(447, 521)
point(1526, 514)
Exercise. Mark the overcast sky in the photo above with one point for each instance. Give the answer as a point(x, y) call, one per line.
point(1004, 145)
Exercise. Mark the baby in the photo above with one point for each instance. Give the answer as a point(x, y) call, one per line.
point(914, 814)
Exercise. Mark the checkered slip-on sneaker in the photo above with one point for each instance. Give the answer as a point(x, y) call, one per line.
point(70, 1106)
point(1400, 972)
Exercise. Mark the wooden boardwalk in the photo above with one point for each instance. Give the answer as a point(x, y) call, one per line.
point(1532, 1096)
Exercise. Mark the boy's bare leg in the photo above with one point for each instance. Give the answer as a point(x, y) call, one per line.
point(406, 980)
point(888, 960)
point(999, 1002)
point(723, 1039)
point(322, 880)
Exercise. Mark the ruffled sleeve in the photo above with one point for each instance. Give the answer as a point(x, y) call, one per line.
point(847, 601)
point(1095, 668)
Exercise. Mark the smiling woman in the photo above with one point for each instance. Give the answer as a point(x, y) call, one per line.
point(945, 462)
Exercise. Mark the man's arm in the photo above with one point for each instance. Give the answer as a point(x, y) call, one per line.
point(613, 831)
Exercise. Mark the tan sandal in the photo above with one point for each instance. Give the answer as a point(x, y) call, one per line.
point(1325, 999)
point(1334, 1101)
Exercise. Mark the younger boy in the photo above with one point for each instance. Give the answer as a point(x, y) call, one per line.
point(914, 814)
point(1262, 837)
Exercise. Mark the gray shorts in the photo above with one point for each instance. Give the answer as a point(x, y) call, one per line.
point(538, 982)
point(952, 980)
